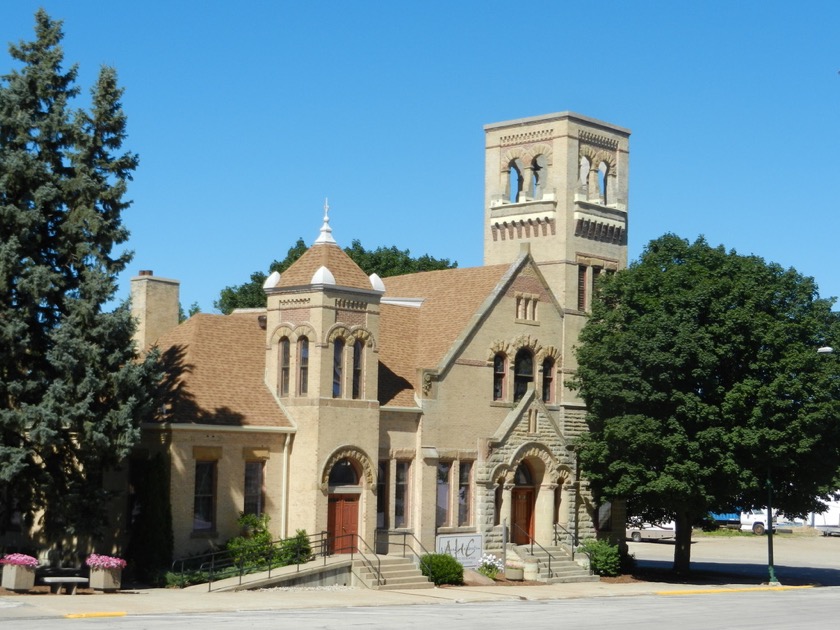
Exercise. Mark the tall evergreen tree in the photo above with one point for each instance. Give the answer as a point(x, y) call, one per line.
point(72, 391)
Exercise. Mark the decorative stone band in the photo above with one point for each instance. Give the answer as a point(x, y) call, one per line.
point(599, 228)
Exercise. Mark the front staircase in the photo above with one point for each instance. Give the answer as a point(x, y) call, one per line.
point(564, 570)
point(396, 573)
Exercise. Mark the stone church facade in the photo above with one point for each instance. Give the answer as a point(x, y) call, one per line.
point(420, 406)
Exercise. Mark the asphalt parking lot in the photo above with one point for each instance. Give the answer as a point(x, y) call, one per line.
point(800, 557)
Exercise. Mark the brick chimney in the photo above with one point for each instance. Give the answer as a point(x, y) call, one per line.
point(155, 307)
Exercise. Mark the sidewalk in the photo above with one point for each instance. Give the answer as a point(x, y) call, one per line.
point(168, 601)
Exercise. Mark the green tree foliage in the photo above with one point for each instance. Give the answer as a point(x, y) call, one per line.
point(151, 539)
point(71, 392)
point(383, 261)
point(700, 374)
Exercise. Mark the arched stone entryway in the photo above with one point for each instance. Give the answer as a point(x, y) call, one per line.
point(523, 499)
point(343, 503)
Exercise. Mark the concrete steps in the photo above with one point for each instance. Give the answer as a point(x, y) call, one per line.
point(564, 570)
point(397, 573)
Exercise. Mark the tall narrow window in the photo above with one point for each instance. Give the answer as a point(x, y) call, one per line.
point(254, 488)
point(596, 273)
point(338, 360)
point(499, 370)
point(204, 497)
point(581, 301)
point(303, 366)
point(464, 493)
point(603, 171)
point(358, 349)
point(284, 366)
point(523, 373)
point(401, 495)
point(443, 490)
point(548, 380)
point(382, 495)
point(515, 181)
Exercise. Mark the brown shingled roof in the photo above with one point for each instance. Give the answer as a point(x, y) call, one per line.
point(412, 338)
point(215, 368)
point(346, 272)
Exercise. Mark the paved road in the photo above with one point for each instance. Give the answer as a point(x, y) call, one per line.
point(759, 610)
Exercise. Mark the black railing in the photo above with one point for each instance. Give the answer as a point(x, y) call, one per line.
point(533, 542)
point(218, 565)
point(349, 543)
point(411, 546)
point(569, 536)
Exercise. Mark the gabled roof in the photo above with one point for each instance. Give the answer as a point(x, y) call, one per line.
point(345, 272)
point(215, 367)
point(412, 338)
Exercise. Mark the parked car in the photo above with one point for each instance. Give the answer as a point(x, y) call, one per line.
point(755, 521)
point(637, 532)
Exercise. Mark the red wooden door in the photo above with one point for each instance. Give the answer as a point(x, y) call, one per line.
point(523, 516)
point(343, 522)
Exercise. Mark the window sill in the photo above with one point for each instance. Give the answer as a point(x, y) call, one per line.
point(207, 533)
point(463, 529)
point(527, 322)
point(501, 403)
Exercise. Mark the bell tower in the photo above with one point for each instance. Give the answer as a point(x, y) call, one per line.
point(558, 182)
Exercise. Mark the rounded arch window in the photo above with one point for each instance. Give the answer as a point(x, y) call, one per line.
point(523, 476)
point(344, 473)
point(523, 373)
point(516, 181)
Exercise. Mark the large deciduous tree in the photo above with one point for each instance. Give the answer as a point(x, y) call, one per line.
point(701, 378)
point(72, 391)
point(383, 261)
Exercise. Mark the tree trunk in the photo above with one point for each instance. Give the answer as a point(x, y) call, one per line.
point(682, 547)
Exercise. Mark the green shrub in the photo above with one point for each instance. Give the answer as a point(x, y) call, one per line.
point(254, 546)
point(297, 550)
point(604, 558)
point(442, 568)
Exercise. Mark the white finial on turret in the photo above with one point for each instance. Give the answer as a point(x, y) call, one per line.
point(326, 231)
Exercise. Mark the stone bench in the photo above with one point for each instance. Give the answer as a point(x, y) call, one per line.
point(69, 583)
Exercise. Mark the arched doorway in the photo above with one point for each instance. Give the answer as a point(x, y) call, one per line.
point(522, 508)
point(343, 507)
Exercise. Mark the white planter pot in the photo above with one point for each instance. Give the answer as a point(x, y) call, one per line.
point(531, 571)
point(107, 580)
point(18, 578)
point(517, 574)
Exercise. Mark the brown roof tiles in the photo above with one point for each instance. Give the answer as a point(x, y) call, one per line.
point(215, 369)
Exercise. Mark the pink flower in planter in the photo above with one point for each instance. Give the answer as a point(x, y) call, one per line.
point(19, 559)
point(95, 561)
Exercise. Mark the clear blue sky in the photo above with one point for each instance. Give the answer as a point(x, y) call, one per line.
point(247, 114)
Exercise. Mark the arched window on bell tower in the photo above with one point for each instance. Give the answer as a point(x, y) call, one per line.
point(516, 181)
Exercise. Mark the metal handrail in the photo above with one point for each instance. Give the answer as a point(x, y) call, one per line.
point(534, 542)
point(216, 562)
point(570, 535)
point(405, 545)
point(354, 550)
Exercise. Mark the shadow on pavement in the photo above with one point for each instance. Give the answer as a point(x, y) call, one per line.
point(714, 573)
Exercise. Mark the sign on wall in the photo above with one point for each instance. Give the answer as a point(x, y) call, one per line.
point(465, 548)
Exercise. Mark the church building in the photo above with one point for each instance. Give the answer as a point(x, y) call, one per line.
point(431, 404)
